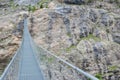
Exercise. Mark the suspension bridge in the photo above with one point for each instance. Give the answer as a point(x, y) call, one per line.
point(26, 64)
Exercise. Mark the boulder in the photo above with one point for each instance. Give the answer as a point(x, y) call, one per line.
point(74, 1)
point(26, 2)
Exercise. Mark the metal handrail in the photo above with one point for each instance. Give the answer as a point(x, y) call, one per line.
point(9, 65)
point(72, 66)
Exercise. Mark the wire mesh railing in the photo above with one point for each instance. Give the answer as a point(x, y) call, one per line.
point(55, 68)
point(12, 70)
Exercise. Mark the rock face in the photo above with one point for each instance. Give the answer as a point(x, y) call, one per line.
point(82, 35)
point(78, 2)
point(74, 1)
point(26, 2)
point(10, 38)
point(86, 1)
point(116, 31)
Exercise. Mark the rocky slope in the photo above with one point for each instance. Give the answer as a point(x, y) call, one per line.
point(85, 35)
point(10, 37)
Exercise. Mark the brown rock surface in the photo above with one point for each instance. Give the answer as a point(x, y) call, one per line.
point(84, 35)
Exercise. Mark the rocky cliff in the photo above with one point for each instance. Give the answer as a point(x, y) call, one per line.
point(88, 37)
point(85, 34)
point(10, 37)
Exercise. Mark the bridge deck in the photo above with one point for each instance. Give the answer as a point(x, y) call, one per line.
point(29, 69)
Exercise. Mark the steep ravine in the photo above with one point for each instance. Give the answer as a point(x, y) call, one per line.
point(85, 35)
point(82, 35)
point(10, 37)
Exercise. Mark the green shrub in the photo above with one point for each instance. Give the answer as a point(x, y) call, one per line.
point(91, 36)
point(107, 30)
point(112, 68)
point(69, 34)
point(12, 5)
point(42, 2)
point(70, 48)
point(32, 8)
point(99, 76)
